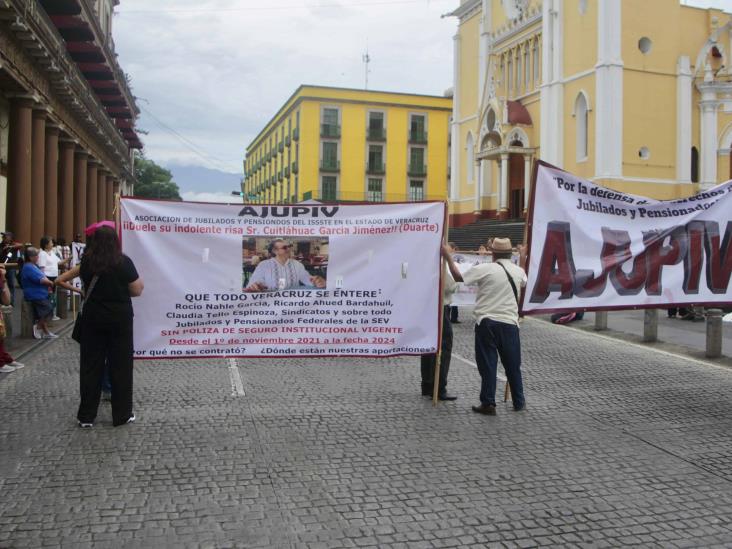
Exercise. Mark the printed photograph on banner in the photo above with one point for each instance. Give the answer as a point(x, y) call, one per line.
point(284, 263)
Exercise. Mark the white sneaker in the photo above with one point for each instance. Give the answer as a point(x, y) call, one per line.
point(7, 368)
point(131, 419)
point(37, 333)
point(56, 318)
point(17, 365)
point(49, 335)
point(85, 425)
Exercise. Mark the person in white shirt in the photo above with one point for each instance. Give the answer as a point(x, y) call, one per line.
point(281, 272)
point(48, 262)
point(496, 322)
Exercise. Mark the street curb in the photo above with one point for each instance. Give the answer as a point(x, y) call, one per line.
point(660, 347)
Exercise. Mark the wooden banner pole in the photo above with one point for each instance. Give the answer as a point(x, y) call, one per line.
point(438, 356)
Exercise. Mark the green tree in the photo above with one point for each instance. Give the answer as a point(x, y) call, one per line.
point(153, 181)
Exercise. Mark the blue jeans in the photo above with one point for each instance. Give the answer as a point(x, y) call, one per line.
point(494, 339)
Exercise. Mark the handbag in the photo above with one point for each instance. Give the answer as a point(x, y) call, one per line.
point(76, 332)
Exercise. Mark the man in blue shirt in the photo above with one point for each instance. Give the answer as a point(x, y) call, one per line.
point(35, 291)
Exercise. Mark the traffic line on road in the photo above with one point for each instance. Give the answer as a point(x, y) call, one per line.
point(632, 343)
point(473, 364)
point(237, 386)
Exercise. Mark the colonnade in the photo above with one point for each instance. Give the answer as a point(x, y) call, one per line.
point(55, 186)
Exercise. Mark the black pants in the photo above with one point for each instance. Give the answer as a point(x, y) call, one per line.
point(454, 313)
point(111, 342)
point(428, 361)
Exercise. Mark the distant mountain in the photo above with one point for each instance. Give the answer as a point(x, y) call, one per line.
point(199, 179)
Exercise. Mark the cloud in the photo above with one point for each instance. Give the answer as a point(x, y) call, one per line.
point(217, 77)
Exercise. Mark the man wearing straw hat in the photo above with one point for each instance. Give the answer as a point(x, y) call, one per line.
point(496, 322)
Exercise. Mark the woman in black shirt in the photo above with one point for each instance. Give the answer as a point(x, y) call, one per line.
point(106, 324)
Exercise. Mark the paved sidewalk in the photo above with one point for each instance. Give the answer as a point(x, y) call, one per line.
point(620, 446)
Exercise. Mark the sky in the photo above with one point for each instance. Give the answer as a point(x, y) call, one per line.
point(209, 74)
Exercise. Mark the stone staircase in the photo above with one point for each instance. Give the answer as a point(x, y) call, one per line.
point(469, 237)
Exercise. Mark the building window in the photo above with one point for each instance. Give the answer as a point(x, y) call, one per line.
point(509, 75)
point(416, 161)
point(694, 165)
point(527, 68)
point(330, 156)
point(535, 55)
point(581, 120)
point(416, 190)
point(329, 188)
point(330, 126)
point(375, 192)
point(376, 126)
point(470, 157)
point(417, 131)
point(518, 72)
point(376, 159)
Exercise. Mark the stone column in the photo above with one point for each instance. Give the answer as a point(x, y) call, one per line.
point(19, 169)
point(80, 169)
point(38, 177)
point(102, 195)
point(527, 180)
point(708, 153)
point(503, 195)
point(684, 80)
point(51, 186)
point(110, 198)
point(66, 189)
point(92, 170)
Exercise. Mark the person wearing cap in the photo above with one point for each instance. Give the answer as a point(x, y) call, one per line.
point(496, 322)
point(110, 279)
point(36, 288)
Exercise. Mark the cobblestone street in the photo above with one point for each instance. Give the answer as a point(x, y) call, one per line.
point(620, 446)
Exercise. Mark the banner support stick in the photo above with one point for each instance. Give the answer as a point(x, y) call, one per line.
point(441, 319)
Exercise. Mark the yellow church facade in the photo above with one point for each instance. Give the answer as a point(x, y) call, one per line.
point(339, 145)
point(634, 95)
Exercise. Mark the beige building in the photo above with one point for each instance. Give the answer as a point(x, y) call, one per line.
point(635, 95)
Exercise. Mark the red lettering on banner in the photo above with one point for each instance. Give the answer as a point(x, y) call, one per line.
point(688, 244)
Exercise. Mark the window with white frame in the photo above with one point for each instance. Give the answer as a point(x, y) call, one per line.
point(416, 190)
point(375, 189)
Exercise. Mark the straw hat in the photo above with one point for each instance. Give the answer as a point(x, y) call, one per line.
point(501, 245)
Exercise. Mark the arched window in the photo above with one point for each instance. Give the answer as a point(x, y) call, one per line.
point(537, 62)
point(581, 119)
point(694, 165)
point(470, 158)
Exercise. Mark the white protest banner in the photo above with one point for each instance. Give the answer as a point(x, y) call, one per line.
point(299, 280)
point(77, 250)
point(594, 248)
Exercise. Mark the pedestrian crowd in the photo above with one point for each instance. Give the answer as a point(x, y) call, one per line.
point(32, 270)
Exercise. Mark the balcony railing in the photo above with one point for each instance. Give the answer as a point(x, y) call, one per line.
point(375, 168)
point(281, 147)
point(377, 134)
point(296, 134)
point(418, 136)
point(287, 140)
point(417, 169)
point(330, 130)
point(330, 166)
point(287, 171)
point(295, 167)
